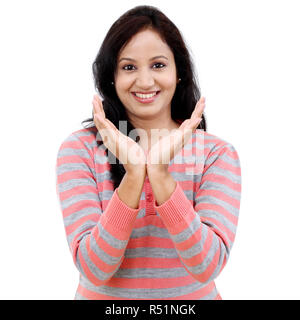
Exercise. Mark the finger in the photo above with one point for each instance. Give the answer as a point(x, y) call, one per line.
point(199, 108)
point(97, 102)
point(99, 106)
point(195, 123)
point(189, 128)
point(94, 109)
point(98, 117)
point(100, 122)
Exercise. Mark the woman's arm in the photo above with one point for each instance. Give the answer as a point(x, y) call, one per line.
point(204, 234)
point(130, 189)
point(97, 239)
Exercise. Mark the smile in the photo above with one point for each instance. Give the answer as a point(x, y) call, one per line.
point(145, 98)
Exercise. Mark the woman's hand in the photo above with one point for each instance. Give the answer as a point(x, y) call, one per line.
point(129, 153)
point(163, 151)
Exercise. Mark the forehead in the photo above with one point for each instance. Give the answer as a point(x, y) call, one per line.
point(144, 44)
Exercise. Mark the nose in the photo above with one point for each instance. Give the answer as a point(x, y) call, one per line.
point(144, 79)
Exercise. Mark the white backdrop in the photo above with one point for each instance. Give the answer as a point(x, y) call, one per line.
point(246, 55)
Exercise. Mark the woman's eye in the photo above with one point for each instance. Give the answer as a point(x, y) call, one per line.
point(161, 65)
point(130, 67)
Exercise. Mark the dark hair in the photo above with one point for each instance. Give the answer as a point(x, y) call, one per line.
point(187, 92)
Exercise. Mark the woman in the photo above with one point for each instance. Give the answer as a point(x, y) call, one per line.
point(142, 220)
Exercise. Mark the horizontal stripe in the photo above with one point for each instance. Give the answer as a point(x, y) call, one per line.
point(72, 152)
point(79, 189)
point(151, 273)
point(144, 242)
point(76, 215)
point(192, 291)
point(138, 262)
point(70, 184)
point(92, 218)
point(75, 199)
point(149, 283)
point(151, 252)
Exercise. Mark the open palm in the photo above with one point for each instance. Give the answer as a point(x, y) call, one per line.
point(129, 153)
point(164, 150)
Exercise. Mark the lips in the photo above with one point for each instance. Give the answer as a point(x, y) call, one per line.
point(146, 100)
point(140, 92)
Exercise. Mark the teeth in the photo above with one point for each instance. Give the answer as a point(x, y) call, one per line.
point(145, 96)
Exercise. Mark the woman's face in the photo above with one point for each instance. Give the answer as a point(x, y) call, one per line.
point(146, 67)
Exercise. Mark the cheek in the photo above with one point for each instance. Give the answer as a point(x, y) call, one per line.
point(123, 90)
point(122, 83)
point(168, 82)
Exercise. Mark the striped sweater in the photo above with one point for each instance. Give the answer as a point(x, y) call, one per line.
point(172, 251)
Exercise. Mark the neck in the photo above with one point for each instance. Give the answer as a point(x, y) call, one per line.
point(148, 124)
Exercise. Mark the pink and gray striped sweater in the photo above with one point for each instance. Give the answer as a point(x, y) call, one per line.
point(172, 251)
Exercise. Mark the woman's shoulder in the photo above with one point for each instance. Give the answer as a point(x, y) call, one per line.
point(213, 143)
point(211, 139)
point(84, 139)
point(86, 135)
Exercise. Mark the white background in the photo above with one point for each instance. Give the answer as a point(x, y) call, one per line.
point(246, 55)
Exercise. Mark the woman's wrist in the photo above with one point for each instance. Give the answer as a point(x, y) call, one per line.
point(162, 183)
point(137, 173)
point(130, 189)
point(157, 171)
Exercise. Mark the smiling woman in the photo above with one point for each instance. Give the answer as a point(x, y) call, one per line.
point(154, 225)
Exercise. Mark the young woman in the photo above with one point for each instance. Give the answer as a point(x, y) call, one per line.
point(150, 200)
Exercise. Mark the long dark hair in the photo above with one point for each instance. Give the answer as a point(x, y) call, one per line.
point(187, 92)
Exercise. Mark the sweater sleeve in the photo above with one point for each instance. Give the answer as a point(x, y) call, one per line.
point(203, 234)
point(97, 239)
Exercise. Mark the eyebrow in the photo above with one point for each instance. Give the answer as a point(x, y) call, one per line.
point(156, 57)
